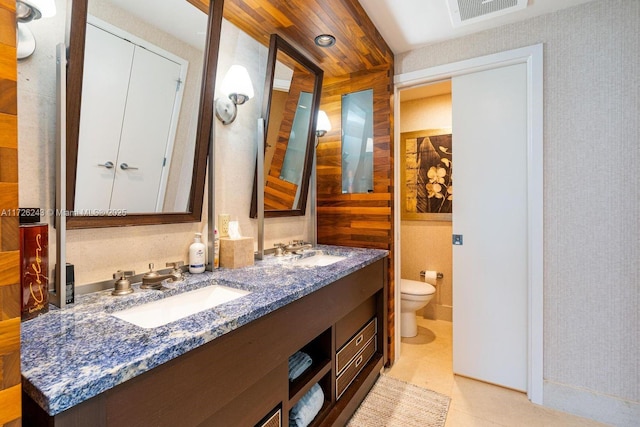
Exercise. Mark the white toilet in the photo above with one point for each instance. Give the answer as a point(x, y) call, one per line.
point(414, 296)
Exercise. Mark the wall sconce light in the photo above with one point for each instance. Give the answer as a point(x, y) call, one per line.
point(27, 11)
point(238, 88)
point(323, 125)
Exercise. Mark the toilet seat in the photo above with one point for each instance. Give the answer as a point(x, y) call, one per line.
point(409, 288)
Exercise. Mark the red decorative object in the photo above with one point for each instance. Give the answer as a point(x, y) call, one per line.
point(34, 269)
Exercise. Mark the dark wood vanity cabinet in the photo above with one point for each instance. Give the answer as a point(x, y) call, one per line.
point(241, 378)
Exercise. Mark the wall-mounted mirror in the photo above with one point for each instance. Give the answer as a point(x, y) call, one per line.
point(357, 142)
point(139, 110)
point(293, 85)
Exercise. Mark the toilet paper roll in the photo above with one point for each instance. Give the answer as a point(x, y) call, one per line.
point(430, 275)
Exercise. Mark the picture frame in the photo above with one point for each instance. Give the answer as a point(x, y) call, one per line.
point(425, 175)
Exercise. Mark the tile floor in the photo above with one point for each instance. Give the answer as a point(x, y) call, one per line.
point(426, 360)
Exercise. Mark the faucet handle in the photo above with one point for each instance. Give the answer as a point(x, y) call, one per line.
point(177, 271)
point(122, 286)
point(175, 264)
point(123, 274)
point(279, 248)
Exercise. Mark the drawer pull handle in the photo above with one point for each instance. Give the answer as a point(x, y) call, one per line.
point(358, 361)
point(359, 340)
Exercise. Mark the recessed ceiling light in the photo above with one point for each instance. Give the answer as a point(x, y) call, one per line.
point(325, 40)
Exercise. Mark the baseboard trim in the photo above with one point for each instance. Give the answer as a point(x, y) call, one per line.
point(586, 403)
point(444, 312)
point(438, 312)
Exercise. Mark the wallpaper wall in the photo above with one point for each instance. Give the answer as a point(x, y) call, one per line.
point(591, 209)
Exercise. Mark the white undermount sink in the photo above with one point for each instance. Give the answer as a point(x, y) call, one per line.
point(170, 309)
point(318, 260)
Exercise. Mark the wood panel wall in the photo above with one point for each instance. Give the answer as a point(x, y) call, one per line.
point(10, 388)
point(361, 219)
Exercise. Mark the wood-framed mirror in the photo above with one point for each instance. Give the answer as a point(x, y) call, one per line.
point(293, 87)
point(125, 165)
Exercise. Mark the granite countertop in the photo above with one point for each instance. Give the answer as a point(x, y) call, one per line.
point(70, 355)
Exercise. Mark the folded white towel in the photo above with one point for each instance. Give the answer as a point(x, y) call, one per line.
point(307, 407)
point(298, 363)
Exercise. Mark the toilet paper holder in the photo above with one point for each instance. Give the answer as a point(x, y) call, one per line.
point(438, 274)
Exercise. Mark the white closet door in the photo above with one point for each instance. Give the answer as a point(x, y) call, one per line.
point(490, 211)
point(145, 132)
point(107, 66)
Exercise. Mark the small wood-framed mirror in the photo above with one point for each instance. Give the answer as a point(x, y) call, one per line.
point(292, 98)
point(126, 38)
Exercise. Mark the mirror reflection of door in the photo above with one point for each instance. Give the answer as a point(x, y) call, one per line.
point(357, 142)
point(132, 91)
point(287, 134)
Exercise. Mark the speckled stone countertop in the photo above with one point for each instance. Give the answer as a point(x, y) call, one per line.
point(70, 355)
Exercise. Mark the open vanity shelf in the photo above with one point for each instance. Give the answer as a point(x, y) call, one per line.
point(345, 358)
point(320, 351)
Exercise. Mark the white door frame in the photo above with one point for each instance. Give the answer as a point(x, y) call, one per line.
point(532, 57)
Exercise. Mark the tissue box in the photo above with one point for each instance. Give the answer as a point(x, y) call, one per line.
point(236, 253)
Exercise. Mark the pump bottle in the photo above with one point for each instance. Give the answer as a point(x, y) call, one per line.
point(196, 255)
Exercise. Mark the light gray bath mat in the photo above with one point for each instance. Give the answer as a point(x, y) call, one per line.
point(395, 403)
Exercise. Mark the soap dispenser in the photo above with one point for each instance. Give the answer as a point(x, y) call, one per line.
point(196, 255)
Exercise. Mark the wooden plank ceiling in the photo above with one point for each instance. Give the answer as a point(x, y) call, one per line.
point(358, 46)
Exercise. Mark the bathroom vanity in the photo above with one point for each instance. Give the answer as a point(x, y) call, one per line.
point(224, 366)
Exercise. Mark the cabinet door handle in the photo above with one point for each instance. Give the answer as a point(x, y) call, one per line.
point(359, 340)
point(359, 360)
point(108, 165)
point(125, 167)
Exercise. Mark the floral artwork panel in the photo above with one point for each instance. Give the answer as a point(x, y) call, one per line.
point(427, 175)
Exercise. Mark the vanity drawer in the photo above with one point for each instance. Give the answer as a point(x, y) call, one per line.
point(356, 365)
point(347, 353)
point(352, 322)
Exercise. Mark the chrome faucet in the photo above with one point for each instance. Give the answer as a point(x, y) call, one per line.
point(153, 279)
point(297, 246)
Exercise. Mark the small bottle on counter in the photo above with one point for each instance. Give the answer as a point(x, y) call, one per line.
point(216, 249)
point(196, 255)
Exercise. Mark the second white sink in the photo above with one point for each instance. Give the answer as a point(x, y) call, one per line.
point(170, 309)
point(319, 260)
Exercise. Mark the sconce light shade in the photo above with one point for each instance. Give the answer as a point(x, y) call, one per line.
point(26, 42)
point(237, 86)
point(323, 125)
point(47, 8)
point(237, 83)
point(28, 10)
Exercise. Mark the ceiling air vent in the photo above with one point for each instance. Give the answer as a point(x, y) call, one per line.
point(469, 11)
